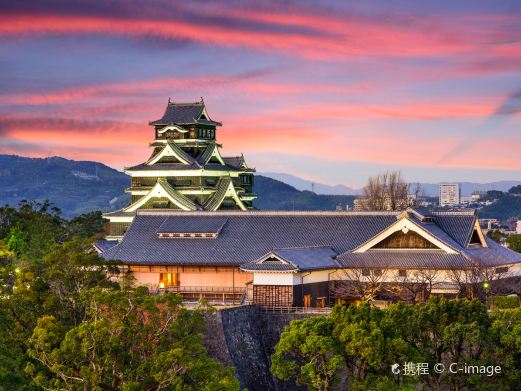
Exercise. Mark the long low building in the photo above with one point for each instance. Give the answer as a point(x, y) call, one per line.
point(306, 258)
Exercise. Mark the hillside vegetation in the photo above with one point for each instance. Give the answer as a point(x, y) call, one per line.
point(505, 208)
point(78, 187)
point(75, 187)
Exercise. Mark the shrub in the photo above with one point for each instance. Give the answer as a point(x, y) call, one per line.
point(506, 302)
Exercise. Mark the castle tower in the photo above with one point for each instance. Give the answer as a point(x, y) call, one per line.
point(185, 170)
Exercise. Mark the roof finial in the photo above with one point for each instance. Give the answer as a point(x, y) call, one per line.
point(169, 100)
point(202, 100)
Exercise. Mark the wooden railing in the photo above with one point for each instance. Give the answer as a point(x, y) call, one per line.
point(213, 294)
point(204, 289)
point(297, 310)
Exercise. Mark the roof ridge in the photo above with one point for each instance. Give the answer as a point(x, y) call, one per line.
point(162, 212)
point(466, 212)
point(301, 248)
point(186, 103)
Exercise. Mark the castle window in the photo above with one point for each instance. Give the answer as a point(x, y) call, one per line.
point(168, 280)
point(402, 273)
point(366, 272)
point(246, 179)
point(501, 270)
point(183, 182)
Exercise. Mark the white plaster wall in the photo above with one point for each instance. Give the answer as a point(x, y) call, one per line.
point(317, 276)
point(275, 278)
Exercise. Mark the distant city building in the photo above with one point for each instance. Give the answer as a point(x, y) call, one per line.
point(467, 200)
point(450, 194)
point(478, 194)
point(341, 207)
point(518, 227)
point(489, 224)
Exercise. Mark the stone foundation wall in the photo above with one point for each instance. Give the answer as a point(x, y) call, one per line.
point(245, 337)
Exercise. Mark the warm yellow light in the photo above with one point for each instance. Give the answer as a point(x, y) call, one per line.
point(17, 270)
point(161, 285)
point(486, 285)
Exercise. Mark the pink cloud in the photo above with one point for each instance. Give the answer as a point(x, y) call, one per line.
point(338, 38)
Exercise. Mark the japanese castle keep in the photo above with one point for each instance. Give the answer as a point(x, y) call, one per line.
point(191, 228)
point(185, 170)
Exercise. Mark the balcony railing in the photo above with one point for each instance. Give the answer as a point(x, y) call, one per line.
point(205, 289)
point(213, 294)
point(296, 310)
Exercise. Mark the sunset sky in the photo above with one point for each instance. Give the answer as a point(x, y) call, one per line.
point(332, 91)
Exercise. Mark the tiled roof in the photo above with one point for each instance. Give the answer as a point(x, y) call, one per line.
point(119, 213)
point(305, 258)
point(234, 161)
point(185, 224)
point(181, 166)
point(421, 212)
point(493, 255)
point(405, 259)
point(269, 266)
point(180, 113)
point(206, 154)
point(458, 226)
point(213, 202)
point(246, 236)
point(177, 197)
point(104, 245)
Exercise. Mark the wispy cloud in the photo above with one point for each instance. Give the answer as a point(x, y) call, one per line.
point(369, 83)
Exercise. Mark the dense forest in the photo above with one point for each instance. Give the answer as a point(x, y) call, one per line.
point(355, 348)
point(66, 324)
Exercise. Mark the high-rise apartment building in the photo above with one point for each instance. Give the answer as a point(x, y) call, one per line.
point(450, 194)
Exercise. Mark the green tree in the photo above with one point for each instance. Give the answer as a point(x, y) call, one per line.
point(447, 332)
point(86, 225)
point(515, 189)
point(130, 340)
point(493, 195)
point(496, 235)
point(506, 337)
point(30, 289)
point(308, 352)
point(371, 340)
point(32, 229)
point(514, 242)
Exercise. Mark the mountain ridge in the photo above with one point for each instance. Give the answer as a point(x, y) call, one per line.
point(430, 189)
point(78, 187)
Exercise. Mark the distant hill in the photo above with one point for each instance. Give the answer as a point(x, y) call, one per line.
point(430, 189)
point(506, 208)
point(276, 195)
point(73, 186)
point(304, 184)
point(81, 186)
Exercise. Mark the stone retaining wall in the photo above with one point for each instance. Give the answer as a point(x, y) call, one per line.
point(245, 337)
